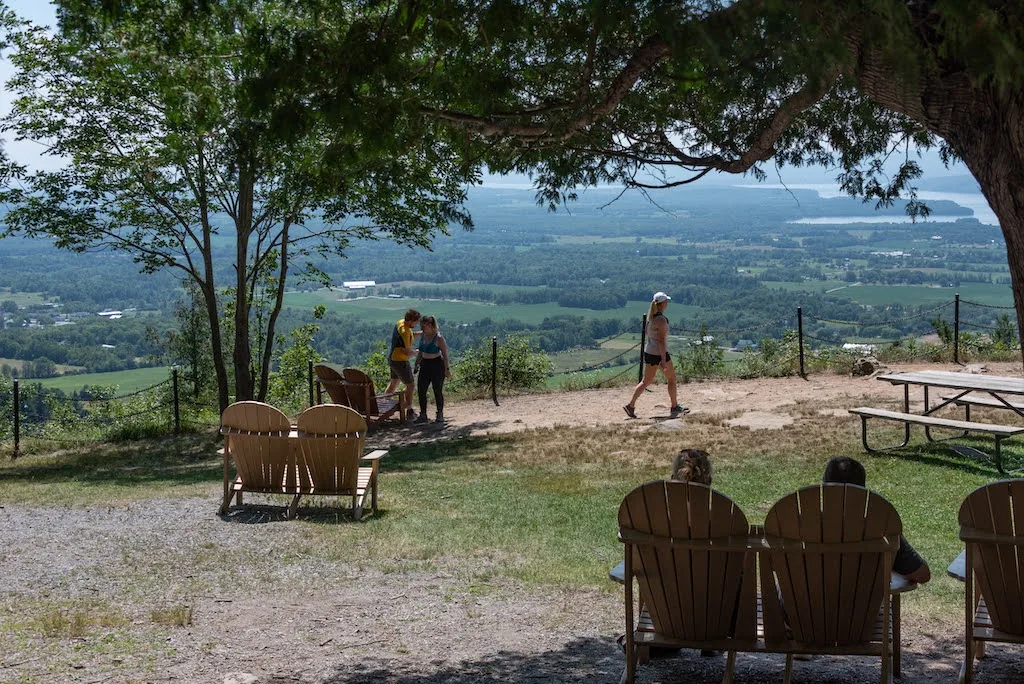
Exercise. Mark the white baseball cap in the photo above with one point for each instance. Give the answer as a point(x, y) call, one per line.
point(661, 297)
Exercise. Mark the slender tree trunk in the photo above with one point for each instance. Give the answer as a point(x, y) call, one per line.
point(268, 347)
point(213, 314)
point(243, 354)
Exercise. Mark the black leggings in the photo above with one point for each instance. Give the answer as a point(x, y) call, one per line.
point(431, 372)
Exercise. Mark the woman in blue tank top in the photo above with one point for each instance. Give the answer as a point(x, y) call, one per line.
point(432, 366)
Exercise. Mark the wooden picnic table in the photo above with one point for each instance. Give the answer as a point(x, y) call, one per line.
point(965, 389)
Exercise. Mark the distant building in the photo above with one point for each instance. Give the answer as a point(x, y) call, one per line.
point(108, 346)
point(359, 284)
point(394, 296)
point(860, 348)
point(746, 344)
point(109, 313)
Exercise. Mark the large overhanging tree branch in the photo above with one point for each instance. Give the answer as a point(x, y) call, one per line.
point(659, 94)
point(191, 139)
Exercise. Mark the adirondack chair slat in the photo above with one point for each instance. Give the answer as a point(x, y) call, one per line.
point(363, 397)
point(854, 502)
point(332, 381)
point(833, 499)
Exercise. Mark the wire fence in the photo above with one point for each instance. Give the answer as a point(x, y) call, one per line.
point(32, 413)
point(828, 344)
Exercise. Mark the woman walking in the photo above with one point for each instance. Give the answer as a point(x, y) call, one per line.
point(432, 366)
point(656, 357)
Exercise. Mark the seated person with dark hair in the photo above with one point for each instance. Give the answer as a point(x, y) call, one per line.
point(908, 562)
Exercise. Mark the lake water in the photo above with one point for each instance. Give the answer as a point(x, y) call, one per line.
point(974, 201)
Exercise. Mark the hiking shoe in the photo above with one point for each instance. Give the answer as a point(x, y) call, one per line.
point(630, 411)
point(440, 418)
point(679, 410)
point(410, 415)
point(422, 418)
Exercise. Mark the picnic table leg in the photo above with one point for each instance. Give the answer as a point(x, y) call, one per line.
point(864, 436)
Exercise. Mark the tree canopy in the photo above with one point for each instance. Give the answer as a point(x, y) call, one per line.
point(191, 131)
point(655, 94)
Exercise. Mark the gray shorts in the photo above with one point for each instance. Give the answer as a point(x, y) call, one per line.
point(401, 370)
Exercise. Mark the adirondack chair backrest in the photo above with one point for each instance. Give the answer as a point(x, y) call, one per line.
point(830, 596)
point(362, 394)
point(331, 443)
point(691, 593)
point(256, 436)
point(992, 524)
point(333, 382)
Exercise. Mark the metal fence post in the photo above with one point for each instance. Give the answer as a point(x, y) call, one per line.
point(643, 341)
point(800, 337)
point(309, 378)
point(17, 419)
point(494, 370)
point(956, 328)
point(177, 405)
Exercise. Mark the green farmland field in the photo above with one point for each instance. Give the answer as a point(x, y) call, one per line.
point(919, 295)
point(126, 381)
point(385, 310)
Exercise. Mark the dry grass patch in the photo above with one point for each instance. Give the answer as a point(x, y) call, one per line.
point(173, 616)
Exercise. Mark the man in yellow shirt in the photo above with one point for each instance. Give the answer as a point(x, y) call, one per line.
point(402, 349)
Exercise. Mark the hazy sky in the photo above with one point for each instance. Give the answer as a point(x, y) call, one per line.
point(43, 12)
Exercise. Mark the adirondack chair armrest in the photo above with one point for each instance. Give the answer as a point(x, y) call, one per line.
point(388, 395)
point(970, 534)
point(375, 455)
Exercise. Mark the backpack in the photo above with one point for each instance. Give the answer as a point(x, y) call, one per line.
point(396, 342)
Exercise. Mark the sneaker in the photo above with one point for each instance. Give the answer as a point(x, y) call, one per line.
point(410, 414)
point(630, 411)
point(421, 419)
point(440, 418)
point(679, 410)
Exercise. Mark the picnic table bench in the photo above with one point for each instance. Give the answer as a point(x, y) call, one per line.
point(971, 390)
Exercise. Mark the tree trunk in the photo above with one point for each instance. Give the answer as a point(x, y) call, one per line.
point(242, 352)
point(989, 137)
point(213, 313)
point(268, 347)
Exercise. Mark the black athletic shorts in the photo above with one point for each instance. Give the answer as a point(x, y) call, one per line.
point(655, 359)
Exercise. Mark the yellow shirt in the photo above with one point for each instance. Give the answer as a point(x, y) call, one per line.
point(406, 332)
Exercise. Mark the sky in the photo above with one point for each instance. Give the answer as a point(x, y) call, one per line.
point(43, 12)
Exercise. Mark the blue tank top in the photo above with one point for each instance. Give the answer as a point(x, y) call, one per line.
point(431, 346)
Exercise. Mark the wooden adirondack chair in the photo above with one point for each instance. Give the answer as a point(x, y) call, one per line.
point(831, 553)
point(689, 550)
point(371, 406)
point(256, 439)
point(992, 527)
point(331, 441)
point(332, 381)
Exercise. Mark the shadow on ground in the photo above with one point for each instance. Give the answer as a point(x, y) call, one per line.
point(600, 661)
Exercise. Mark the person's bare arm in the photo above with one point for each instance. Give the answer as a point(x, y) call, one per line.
point(443, 346)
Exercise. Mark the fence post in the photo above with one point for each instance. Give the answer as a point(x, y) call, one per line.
point(309, 379)
point(494, 370)
point(319, 392)
point(956, 328)
point(643, 341)
point(17, 419)
point(800, 337)
point(177, 406)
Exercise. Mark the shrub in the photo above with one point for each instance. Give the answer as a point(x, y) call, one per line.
point(701, 358)
point(521, 365)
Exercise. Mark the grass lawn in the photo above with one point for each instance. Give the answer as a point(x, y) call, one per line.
point(126, 381)
point(22, 298)
point(539, 506)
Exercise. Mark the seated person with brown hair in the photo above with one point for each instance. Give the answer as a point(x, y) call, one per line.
point(691, 465)
point(908, 562)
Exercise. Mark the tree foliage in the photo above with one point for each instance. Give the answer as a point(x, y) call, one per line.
point(187, 126)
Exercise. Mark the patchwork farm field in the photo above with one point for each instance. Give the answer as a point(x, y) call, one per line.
point(385, 310)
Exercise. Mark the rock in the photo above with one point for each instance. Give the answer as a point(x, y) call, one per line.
point(975, 368)
point(240, 678)
point(866, 365)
